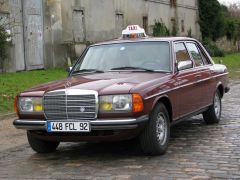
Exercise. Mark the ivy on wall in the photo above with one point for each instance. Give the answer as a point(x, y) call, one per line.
point(3, 46)
point(160, 29)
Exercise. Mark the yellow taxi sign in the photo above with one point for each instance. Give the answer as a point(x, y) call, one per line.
point(133, 31)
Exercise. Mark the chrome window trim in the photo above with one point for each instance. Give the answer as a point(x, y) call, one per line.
point(171, 66)
point(175, 58)
point(196, 44)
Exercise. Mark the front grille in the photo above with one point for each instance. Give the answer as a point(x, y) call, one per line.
point(61, 106)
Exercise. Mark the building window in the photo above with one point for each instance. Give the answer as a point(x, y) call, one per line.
point(174, 27)
point(4, 19)
point(145, 23)
point(5, 22)
point(182, 26)
point(173, 3)
point(78, 25)
point(119, 23)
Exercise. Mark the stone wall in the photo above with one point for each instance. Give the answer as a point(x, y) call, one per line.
point(70, 25)
point(228, 45)
point(63, 28)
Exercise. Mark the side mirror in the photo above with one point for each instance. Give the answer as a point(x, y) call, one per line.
point(69, 69)
point(182, 65)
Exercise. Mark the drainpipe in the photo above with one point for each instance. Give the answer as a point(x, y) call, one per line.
point(23, 30)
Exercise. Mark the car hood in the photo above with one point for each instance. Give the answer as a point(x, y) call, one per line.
point(104, 83)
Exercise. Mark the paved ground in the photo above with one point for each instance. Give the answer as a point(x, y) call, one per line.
point(197, 151)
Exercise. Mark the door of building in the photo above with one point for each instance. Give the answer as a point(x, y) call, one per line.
point(33, 34)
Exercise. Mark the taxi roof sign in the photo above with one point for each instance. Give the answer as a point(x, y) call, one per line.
point(133, 31)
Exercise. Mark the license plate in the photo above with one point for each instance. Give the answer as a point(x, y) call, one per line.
point(53, 126)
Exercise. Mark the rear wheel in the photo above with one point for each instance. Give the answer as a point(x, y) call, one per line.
point(155, 137)
point(41, 146)
point(213, 114)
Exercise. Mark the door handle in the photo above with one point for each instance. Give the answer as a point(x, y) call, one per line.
point(212, 71)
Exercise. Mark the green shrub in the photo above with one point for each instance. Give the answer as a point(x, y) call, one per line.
point(160, 29)
point(3, 46)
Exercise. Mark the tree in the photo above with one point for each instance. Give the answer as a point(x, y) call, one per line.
point(232, 21)
point(234, 9)
point(211, 19)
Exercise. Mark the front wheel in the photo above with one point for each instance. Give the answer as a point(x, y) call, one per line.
point(155, 137)
point(213, 114)
point(41, 146)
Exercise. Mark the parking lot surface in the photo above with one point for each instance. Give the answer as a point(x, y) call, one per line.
point(196, 151)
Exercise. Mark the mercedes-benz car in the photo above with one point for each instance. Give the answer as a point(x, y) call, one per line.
point(132, 87)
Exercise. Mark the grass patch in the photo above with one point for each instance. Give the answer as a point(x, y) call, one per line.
point(13, 83)
point(232, 61)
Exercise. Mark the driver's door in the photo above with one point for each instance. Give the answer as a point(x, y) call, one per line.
point(187, 89)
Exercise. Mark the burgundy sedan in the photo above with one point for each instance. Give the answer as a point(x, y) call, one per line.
point(133, 87)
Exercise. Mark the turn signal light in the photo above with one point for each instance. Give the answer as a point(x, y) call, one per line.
point(137, 103)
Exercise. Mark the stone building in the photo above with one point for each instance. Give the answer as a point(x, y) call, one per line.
point(56, 31)
point(24, 19)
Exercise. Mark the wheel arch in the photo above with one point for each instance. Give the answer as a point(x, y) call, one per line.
point(167, 103)
point(220, 88)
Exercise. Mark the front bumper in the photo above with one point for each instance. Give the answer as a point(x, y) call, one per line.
point(99, 124)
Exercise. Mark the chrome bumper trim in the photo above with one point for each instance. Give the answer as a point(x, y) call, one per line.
point(29, 124)
point(103, 124)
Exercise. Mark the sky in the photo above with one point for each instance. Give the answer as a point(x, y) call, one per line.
point(226, 2)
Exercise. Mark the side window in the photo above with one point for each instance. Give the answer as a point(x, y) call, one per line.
point(181, 52)
point(195, 54)
point(204, 57)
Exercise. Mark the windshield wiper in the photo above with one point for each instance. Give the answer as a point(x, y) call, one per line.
point(87, 71)
point(132, 68)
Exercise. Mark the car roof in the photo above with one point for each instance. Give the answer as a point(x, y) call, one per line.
point(146, 39)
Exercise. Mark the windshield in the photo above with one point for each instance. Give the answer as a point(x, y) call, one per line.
point(151, 56)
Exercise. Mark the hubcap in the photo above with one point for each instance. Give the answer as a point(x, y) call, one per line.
point(217, 106)
point(161, 128)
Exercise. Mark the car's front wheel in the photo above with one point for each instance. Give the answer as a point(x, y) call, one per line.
point(155, 137)
point(213, 114)
point(41, 146)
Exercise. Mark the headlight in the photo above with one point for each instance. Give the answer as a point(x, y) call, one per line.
point(116, 103)
point(121, 103)
point(30, 104)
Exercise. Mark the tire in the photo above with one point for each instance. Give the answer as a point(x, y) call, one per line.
point(41, 146)
point(213, 114)
point(155, 137)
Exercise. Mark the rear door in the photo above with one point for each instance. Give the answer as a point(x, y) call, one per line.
point(203, 75)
